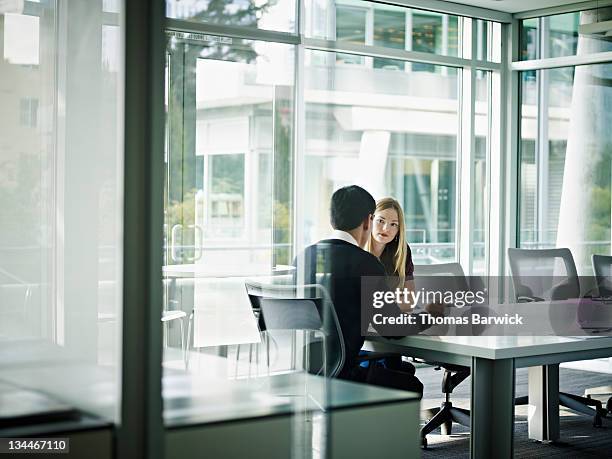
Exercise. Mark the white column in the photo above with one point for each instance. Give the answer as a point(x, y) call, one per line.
point(588, 133)
point(373, 152)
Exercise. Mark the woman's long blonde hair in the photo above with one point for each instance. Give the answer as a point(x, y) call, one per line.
point(398, 245)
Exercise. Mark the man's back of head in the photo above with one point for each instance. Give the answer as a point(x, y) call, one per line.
point(350, 206)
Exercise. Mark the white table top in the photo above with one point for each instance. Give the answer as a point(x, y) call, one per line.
point(500, 347)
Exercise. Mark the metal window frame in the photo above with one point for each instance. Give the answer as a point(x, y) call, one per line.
point(565, 61)
point(464, 198)
point(512, 187)
point(570, 8)
point(458, 9)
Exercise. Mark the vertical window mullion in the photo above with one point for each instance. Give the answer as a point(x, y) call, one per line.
point(542, 138)
point(466, 163)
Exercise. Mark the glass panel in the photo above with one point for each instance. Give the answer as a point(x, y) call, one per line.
point(563, 34)
point(488, 40)
point(393, 132)
point(229, 212)
point(528, 232)
point(389, 32)
point(387, 26)
point(350, 26)
point(529, 39)
point(61, 203)
point(212, 194)
point(228, 204)
point(426, 32)
point(566, 169)
point(480, 183)
point(560, 35)
point(226, 197)
point(277, 15)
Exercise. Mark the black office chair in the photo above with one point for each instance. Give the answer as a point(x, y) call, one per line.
point(454, 375)
point(548, 275)
point(602, 267)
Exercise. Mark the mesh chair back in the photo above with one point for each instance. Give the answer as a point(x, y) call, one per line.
point(543, 274)
point(602, 267)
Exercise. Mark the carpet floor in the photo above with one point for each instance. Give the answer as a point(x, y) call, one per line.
point(579, 439)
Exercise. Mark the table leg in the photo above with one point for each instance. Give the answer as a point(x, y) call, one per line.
point(543, 413)
point(492, 408)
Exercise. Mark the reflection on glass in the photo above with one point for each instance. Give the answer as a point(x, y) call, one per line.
point(226, 196)
point(436, 34)
point(350, 26)
point(563, 34)
point(61, 202)
point(277, 15)
point(566, 170)
point(231, 100)
point(389, 32)
point(393, 132)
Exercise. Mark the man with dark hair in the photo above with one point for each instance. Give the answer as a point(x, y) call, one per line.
point(349, 207)
point(342, 260)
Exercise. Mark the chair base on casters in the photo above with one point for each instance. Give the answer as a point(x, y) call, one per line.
point(579, 404)
point(583, 405)
point(444, 417)
point(606, 390)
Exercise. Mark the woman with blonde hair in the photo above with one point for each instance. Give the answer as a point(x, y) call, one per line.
point(388, 243)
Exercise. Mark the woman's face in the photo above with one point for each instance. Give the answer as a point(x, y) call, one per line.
point(386, 226)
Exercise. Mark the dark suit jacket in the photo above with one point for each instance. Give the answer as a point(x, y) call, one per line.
point(345, 264)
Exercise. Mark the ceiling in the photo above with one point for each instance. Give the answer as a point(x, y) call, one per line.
point(515, 6)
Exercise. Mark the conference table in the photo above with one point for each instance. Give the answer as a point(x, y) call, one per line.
point(493, 361)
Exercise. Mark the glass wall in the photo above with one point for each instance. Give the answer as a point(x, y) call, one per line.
point(61, 180)
point(261, 131)
point(229, 205)
point(566, 154)
point(229, 155)
point(395, 133)
point(565, 148)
